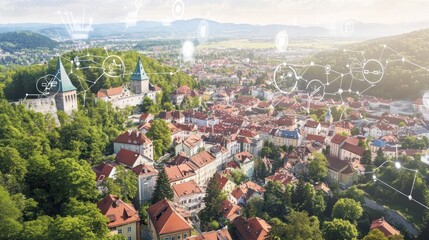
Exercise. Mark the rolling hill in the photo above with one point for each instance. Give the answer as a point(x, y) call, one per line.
point(17, 41)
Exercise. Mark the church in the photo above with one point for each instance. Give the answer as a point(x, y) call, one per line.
point(139, 88)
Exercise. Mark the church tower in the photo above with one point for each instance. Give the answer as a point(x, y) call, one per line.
point(328, 116)
point(139, 81)
point(63, 90)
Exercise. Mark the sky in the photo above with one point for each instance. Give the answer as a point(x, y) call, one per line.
point(291, 12)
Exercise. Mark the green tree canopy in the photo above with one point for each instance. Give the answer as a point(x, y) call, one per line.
point(162, 188)
point(347, 209)
point(318, 167)
point(213, 204)
point(161, 134)
point(339, 229)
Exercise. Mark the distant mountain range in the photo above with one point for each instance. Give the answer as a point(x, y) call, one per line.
point(189, 29)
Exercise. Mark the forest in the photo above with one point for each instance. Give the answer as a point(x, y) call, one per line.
point(17, 41)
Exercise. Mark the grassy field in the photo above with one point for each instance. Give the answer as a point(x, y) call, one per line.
point(259, 44)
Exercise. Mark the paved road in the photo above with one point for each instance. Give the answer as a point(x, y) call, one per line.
point(392, 216)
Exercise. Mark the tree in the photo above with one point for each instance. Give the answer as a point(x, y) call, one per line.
point(278, 230)
point(143, 213)
point(301, 226)
point(162, 188)
point(36, 229)
point(277, 199)
point(355, 131)
point(238, 176)
point(12, 164)
point(318, 167)
point(213, 204)
point(305, 198)
point(87, 211)
point(354, 193)
point(9, 215)
point(146, 104)
point(161, 134)
point(127, 182)
point(261, 171)
point(70, 228)
point(380, 158)
point(366, 159)
point(72, 179)
point(347, 209)
point(339, 229)
point(375, 234)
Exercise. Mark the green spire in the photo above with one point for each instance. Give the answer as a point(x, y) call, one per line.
point(139, 73)
point(64, 85)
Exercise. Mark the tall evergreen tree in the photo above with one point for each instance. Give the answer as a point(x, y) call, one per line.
point(213, 201)
point(162, 188)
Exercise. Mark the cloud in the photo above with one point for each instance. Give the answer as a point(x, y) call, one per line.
point(238, 11)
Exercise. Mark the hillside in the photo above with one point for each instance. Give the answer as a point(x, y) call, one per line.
point(401, 80)
point(17, 41)
point(24, 79)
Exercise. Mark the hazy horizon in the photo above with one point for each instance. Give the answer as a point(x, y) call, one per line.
point(262, 12)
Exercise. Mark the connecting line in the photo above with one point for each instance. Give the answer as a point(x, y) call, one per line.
point(384, 48)
point(411, 199)
point(415, 64)
point(412, 187)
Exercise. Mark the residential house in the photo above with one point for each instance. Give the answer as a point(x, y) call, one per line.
point(351, 152)
point(230, 210)
point(341, 172)
point(285, 137)
point(312, 127)
point(335, 145)
point(246, 163)
point(222, 234)
point(147, 176)
point(123, 217)
point(189, 195)
point(134, 141)
point(190, 146)
point(246, 191)
point(131, 159)
point(343, 127)
point(384, 227)
point(251, 229)
point(165, 222)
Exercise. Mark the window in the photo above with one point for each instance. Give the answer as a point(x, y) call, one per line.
point(173, 238)
point(129, 238)
point(178, 237)
point(129, 229)
point(185, 235)
point(167, 238)
point(119, 231)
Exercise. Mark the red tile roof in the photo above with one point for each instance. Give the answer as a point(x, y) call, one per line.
point(311, 124)
point(316, 138)
point(242, 156)
point(202, 158)
point(186, 188)
point(103, 170)
point(127, 157)
point(145, 170)
point(166, 219)
point(338, 139)
point(110, 92)
point(118, 212)
point(252, 228)
point(384, 227)
point(353, 149)
point(134, 137)
point(221, 234)
point(229, 210)
point(180, 171)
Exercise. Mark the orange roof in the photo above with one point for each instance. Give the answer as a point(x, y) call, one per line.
point(180, 171)
point(252, 228)
point(242, 156)
point(118, 212)
point(230, 211)
point(202, 158)
point(103, 170)
point(221, 234)
point(192, 141)
point(384, 227)
point(338, 139)
point(144, 169)
point(186, 188)
point(110, 92)
point(133, 137)
point(166, 219)
point(127, 157)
